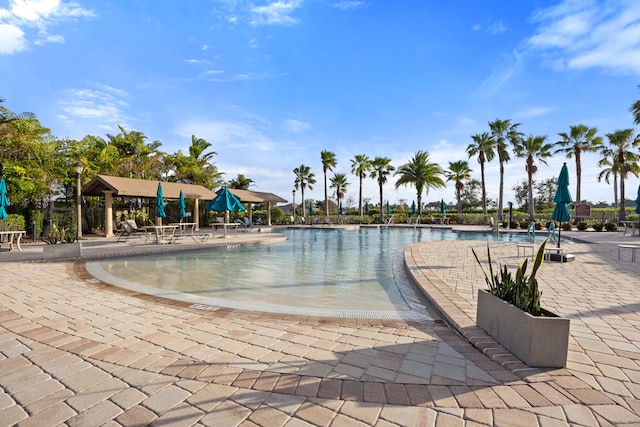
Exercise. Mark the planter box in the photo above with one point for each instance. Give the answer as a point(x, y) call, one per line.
point(539, 341)
point(62, 250)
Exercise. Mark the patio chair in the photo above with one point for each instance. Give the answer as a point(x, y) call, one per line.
point(130, 228)
point(247, 226)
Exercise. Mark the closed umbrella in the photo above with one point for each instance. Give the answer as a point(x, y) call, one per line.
point(340, 209)
point(638, 206)
point(561, 199)
point(413, 207)
point(160, 205)
point(388, 208)
point(366, 208)
point(310, 209)
point(225, 201)
point(182, 207)
point(4, 201)
point(443, 207)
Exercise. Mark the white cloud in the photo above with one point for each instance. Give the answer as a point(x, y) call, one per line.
point(501, 74)
point(586, 34)
point(529, 112)
point(34, 14)
point(496, 28)
point(295, 126)
point(275, 13)
point(105, 103)
point(349, 4)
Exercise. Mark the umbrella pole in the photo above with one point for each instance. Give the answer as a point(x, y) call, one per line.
point(559, 233)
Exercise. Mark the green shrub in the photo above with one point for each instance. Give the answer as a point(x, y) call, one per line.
point(566, 226)
point(13, 222)
point(611, 226)
point(522, 290)
point(524, 225)
point(582, 225)
point(598, 226)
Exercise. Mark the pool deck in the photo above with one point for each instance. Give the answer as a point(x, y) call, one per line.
point(76, 352)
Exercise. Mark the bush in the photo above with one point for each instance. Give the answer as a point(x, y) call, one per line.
point(524, 225)
point(582, 225)
point(567, 226)
point(538, 225)
point(598, 226)
point(13, 222)
point(611, 226)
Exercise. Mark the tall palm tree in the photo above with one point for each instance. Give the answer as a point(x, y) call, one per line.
point(484, 149)
point(532, 148)
point(635, 110)
point(381, 168)
point(422, 174)
point(360, 166)
point(241, 182)
point(503, 132)
point(339, 184)
point(329, 162)
point(580, 138)
point(626, 160)
point(304, 179)
point(458, 172)
point(608, 169)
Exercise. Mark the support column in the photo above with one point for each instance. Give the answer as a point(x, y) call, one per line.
point(250, 212)
point(108, 213)
point(269, 213)
point(196, 214)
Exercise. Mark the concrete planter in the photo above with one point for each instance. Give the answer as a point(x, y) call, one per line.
point(539, 341)
point(62, 250)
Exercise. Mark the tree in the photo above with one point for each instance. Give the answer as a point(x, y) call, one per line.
point(304, 179)
point(339, 184)
point(484, 149)
point(458, 172)
point(381, 168)
point(635, 110)
point(579, 139)
point(625, 158)
point(545, 192)
point(469, 195)
point(328, 163)
point(141, 159)
point(502, 131)
point(360, 166)
point(241, 182)
point(532, 148)
point(422, 174)
point(609, 169)
point(197, 167)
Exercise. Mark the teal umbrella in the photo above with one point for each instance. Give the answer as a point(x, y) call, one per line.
point(4, 201)
point(160, 203)
point(638, 201)
point(366, 208)
point(182, 207)
point(443, 207)
point(340, 209)
point(225, 201)
point(388, 208)
point(310, 209)
point(562, 199)
point(413, 207)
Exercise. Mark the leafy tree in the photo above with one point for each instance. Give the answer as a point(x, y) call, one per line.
point(141, 160)
point(360, 166)
point(545, 192)
point(483, 147)
point(422, 174)
point(381, 168)
point(458, 172)
point(339, 184)
point(469, 195)
point(502, 132)
point(532, 148)
point(609, 169)
point(521, 194)
point(329, 162)
point(304, 179)
point(635, 110)
point(241, 182)
point(579, 139)
point(197, 167)
point(625, 158)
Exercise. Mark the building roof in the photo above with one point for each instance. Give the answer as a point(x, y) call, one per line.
point(145, 188)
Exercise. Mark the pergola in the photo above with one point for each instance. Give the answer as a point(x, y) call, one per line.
point(115, 186)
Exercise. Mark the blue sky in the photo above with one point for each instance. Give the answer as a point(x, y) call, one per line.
point(273, 83)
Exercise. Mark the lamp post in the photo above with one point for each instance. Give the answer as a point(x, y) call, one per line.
point(293, 206)
point(78, 168)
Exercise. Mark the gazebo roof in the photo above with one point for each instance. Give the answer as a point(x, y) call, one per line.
point(256, 196)
point(131, 187)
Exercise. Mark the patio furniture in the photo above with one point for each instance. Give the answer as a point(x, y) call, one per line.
point(11, 237)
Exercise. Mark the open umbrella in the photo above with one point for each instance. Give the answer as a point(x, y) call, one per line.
point(182, 207)
point(160, 205)
point(413, 207)
point(225, 201)
point(4, 201)
point(561, 199)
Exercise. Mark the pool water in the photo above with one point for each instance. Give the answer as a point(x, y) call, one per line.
point(315, 272)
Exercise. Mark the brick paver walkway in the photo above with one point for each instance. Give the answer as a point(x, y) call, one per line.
point(77, 352)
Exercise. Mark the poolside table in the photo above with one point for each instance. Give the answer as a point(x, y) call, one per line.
point(162, 234)
point(12, 236)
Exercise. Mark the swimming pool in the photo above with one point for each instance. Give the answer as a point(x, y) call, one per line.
point(319, 272)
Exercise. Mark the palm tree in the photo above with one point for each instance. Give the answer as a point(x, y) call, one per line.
point(635, 110)
point(328, 163)
point(625, 158)
point(422, 174)
point(484, 149)
point(580, 138)
point(381, 168)
point(339, 183)
point(501, 132)
point(360, 165)
point(240, 182)
point(609, 168)
point(532, 148)
point(459, 171)
point(304, 179)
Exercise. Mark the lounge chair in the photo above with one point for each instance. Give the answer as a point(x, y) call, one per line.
point(247, 226)
point(130, 228)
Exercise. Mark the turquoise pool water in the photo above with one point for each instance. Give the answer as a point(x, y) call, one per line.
point(315, 272)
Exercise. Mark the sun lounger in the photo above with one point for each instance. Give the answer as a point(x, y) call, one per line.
point(130, 228)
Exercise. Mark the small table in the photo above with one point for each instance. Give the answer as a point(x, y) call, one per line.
point(548, 251)
point(13, 236)
point(524, 248)
point(225, 226)
point(443, 220)
point(633, 250)
point(163, 233)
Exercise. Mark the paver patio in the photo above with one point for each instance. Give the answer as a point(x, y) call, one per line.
point(77, 352)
